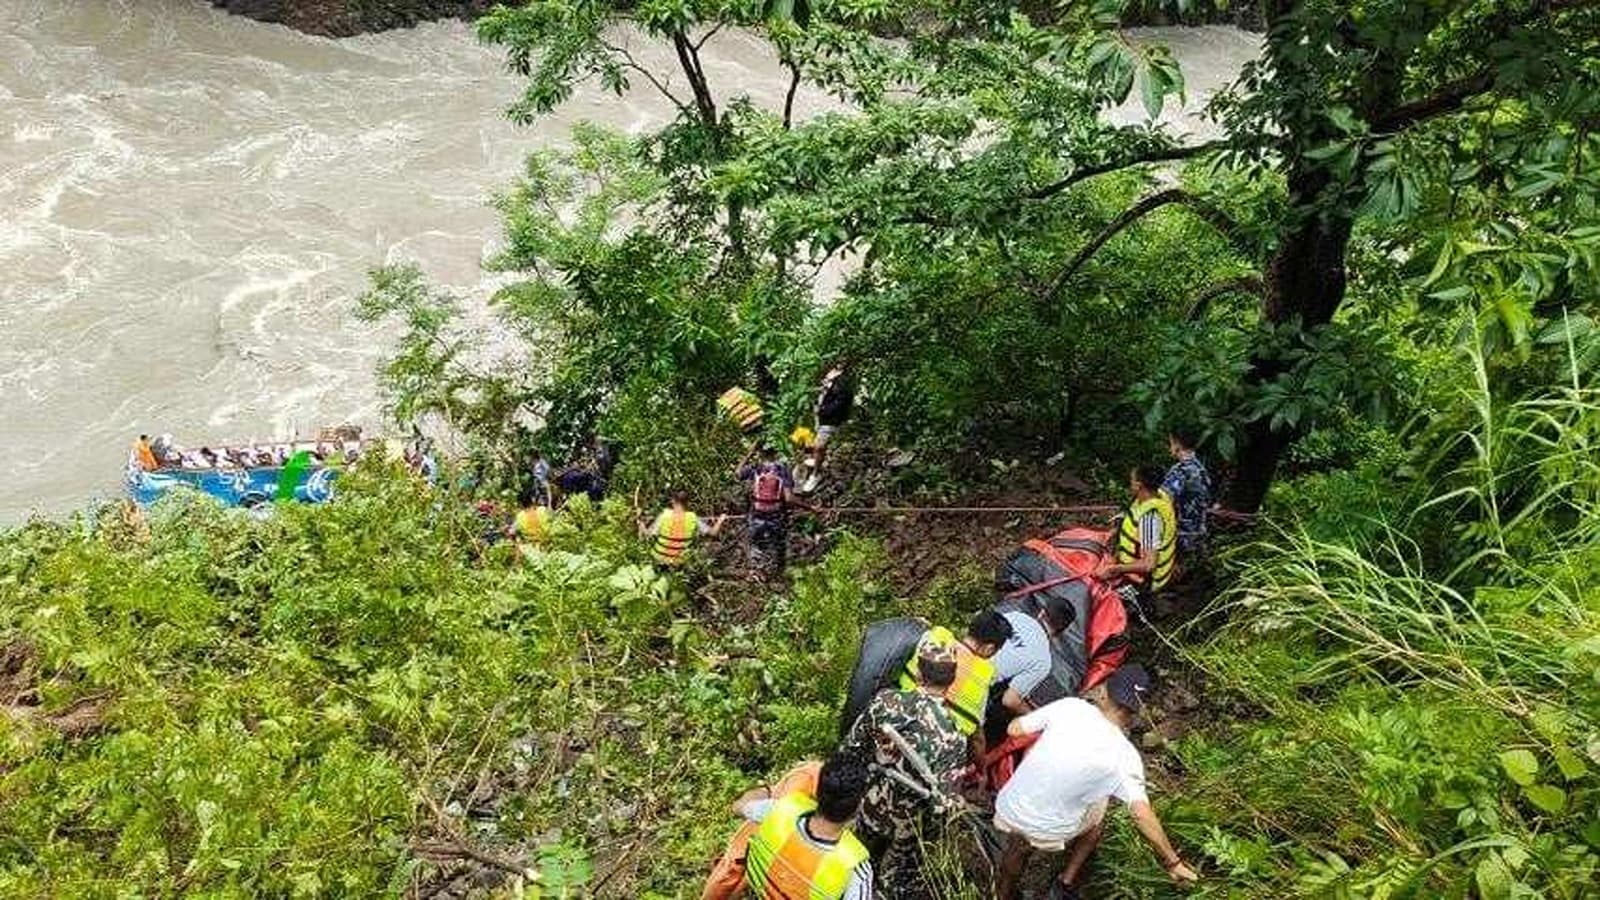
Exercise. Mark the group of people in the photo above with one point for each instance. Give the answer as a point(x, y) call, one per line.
point(861, 824)
point(162, 452)
point(773, 487)
point(546, 488)
point(922, 752)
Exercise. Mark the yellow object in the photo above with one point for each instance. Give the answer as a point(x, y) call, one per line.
point(803, 437)
point(743, 408)
point(675, 531)
point(1128, 548)
point(783, 865)
point(968, 695)
point(533, 524)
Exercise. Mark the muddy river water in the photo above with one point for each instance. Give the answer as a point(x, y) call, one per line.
point(189, 202)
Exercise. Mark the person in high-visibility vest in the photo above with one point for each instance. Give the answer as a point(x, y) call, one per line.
point(802, 847)
point(743, 407)
point(531, 525)
point(675, 530)
point(1146, 537)
point(727, 876)
point(968, 696)
point(143, 456)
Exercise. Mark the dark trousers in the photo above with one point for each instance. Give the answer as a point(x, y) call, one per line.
point(769, 542)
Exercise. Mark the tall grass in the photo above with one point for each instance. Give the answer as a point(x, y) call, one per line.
point(1433, 684)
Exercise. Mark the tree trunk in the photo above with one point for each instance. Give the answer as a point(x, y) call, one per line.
point(1305, 284)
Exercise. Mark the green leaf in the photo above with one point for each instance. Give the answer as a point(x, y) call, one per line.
point(1547, 797)
point(1494, 879)
point(1460, 292)
point(1571, 764)
point(1440, 265)
point(1150, 93)
point(1521, 766)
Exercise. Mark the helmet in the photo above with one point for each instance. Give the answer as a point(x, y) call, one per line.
point(802, 436)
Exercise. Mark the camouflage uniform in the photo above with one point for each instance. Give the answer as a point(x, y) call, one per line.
point(894, 820)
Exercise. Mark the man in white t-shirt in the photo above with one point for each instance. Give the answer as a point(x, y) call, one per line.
point(1059, 793)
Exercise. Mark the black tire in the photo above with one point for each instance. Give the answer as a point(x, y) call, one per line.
point(885, 647)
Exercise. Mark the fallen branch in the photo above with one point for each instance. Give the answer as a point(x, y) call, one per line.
point(445, 851)
point(965, 510)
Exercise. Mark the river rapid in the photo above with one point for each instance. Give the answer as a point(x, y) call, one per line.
point(191, 201)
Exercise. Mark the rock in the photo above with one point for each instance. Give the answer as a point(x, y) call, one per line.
point(1178, 697)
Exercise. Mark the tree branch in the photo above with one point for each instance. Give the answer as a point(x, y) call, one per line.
point(707, 36)
point(1455, 94)
point(629, 62)
point(1446, 100)
point(1246, 284)
point(1169, 154)
point(1215, 217)
point(788, 99)
point(689, 60)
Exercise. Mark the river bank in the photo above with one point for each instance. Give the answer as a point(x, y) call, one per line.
point(344, 18)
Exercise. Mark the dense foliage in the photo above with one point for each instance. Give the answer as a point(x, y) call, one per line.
point(1013, 268)
point(314, 704)
point(1402, 688)
point(1424, 639)
point(1377, 285)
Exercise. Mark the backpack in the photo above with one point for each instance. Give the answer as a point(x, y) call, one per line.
point(766, 493)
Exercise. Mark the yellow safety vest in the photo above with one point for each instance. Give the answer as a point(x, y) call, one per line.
point(1128, 548)
point(533, 523)
point(743, 407)
point(782, 865)
point(675, 531)
point(968, 695)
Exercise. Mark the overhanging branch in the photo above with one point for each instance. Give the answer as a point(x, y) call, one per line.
point(1244, 284)
point(1215, 217)
point(1170, 154)
point(1446, 100)
point(629, 62)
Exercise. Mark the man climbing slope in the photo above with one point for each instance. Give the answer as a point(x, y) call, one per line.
point(1146, 539)
point(835, 400)
point(895, 818)
point(1058, 797)
point(675, 530)
point(771, 496)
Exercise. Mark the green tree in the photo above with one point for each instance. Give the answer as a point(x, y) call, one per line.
point(1453, 136)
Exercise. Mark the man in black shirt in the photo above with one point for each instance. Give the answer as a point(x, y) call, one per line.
point(835, 400)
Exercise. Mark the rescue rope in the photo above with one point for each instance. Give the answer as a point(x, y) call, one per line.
point(896, 510)
point(966, 510)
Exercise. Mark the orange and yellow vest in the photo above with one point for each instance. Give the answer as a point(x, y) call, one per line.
point(743, 407)
point(675, 531)
point(783, 865)
point(146, 458)
point(1128, 548)
point(533, 524)
point(968, 695)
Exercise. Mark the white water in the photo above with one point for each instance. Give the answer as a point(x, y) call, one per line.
point(191, 201)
